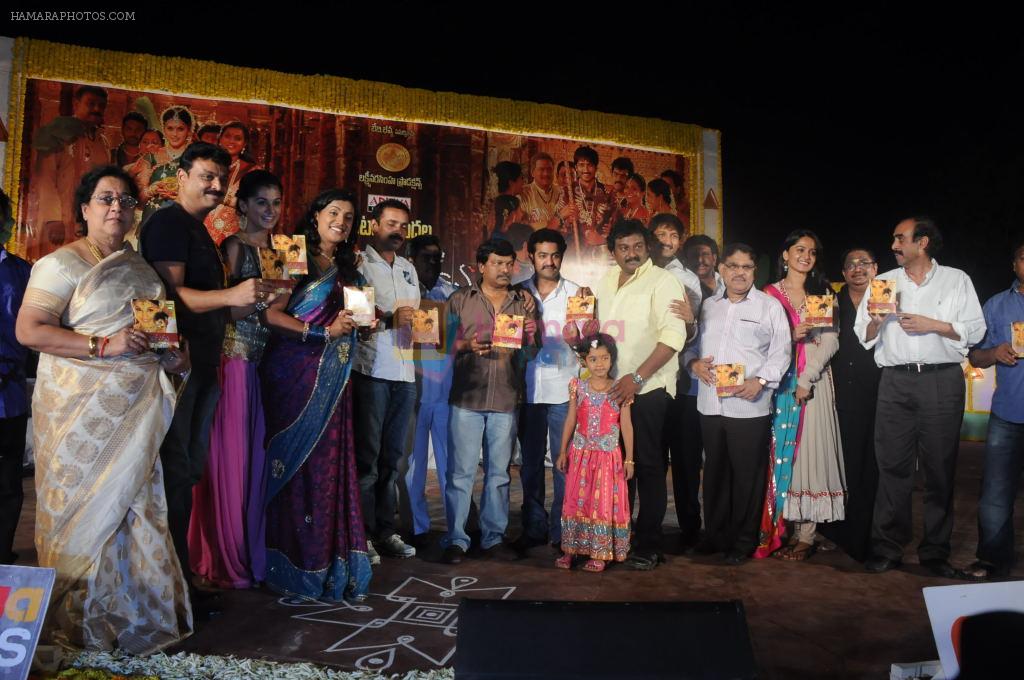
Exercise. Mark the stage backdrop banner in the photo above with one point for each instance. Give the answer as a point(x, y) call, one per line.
point(468, 167)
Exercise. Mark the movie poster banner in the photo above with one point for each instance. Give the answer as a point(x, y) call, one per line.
point(462, 184)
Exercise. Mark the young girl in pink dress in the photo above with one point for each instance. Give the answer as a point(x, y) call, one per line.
point(595, 512)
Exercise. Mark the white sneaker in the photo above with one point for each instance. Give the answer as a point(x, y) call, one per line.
point(394, 546)
point(374, 555)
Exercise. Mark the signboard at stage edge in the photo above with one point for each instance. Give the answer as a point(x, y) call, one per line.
point(24, 598)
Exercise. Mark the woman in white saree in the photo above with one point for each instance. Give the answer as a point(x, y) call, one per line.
point(101, 407)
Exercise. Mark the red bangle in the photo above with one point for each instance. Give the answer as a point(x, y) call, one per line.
point(103, 345)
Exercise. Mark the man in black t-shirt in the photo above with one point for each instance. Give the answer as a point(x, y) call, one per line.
point(175, 241)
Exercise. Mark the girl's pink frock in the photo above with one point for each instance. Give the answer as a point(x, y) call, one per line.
point(595, 512)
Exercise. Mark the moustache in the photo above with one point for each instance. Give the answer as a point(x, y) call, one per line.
point(632, 259)
point(218, 194)
point(396, 237)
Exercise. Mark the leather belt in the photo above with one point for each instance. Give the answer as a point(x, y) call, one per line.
point(922, 368)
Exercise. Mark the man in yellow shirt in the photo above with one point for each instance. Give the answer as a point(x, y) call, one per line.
point(636, 304)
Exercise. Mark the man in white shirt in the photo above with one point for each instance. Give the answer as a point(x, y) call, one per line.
point(542, 417)
point(383, 379)
point(684, 451)
point(738, 325)
point(921, 394)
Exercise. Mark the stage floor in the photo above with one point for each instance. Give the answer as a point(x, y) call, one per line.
point(824, 618)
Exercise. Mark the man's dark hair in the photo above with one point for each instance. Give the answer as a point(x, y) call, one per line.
point(585, 153)
point(925, 226)
point(675, 177)
point(733, 248)
point(546, 236)
point(206, 152)
point(496, 246)
point(623, 163)
point(517, 234)
point(660, 187)
point(624, 228)
point(698, 240)
point(137, 117)
point(87, 187)
point(540, 156)
point(667, 220)
point(846, 253)
point(379, 209)
point(422, 241)
point(90, 89)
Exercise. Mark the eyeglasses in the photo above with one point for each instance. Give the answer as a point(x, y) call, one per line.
point(858, 264)
point(745, 268)
point(125, 201)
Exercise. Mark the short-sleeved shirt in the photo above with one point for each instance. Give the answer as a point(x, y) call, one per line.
point(172, 235)
point(1000, 311)
point(394, 285)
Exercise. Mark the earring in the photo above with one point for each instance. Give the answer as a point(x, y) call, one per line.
point(785, 267)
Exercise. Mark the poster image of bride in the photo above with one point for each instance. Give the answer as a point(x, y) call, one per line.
point(463, 185)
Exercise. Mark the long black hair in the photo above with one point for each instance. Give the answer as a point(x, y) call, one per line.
point(817, 283)
point(345, 254)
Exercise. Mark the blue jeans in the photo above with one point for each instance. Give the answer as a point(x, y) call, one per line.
point(536, 421)
point(383, 411)
point(467, 432)
point(1004, 460)
point(431, 427)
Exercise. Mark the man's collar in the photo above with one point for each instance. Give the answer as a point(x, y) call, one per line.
point(930, 273)
point(531, 283)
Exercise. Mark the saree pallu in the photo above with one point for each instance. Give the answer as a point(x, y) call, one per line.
point(787, 425)
point(101, 514)
point(316, 543)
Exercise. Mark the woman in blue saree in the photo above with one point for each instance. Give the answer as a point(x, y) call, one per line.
point(316, 544)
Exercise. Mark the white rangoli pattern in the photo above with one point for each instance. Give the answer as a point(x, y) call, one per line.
point(415, 604)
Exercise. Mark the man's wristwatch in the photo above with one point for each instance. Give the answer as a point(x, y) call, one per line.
point(764, 383)
point(638, 380)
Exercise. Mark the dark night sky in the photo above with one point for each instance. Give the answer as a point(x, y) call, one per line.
point(843, 124)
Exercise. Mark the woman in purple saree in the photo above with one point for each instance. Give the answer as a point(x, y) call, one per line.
point(316, 545)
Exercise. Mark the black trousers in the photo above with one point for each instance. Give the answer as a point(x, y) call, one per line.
point(12, 495)
point(853, 534)
point(735, 474)
point(184, 452)
point(918, 418)
point(650, 456)
point(682, 431)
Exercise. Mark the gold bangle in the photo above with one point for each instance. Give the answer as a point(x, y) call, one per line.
point(94, 345)
point(305, 331)
point(628, 462)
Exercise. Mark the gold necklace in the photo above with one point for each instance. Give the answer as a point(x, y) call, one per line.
point(94, 250)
